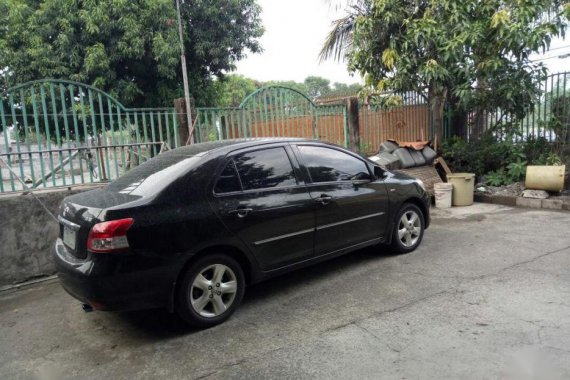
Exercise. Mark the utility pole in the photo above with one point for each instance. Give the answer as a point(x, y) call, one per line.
point(184, 74)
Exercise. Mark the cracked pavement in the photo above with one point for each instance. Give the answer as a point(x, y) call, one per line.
point(487, 295)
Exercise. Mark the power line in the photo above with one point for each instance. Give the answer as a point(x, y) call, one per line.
point(559, 47)
point(560, 56)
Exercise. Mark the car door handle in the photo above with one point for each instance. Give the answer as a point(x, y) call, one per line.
point(241, 212)
point(324, 199)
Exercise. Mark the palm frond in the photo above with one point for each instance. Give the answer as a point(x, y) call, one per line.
point(339, 39)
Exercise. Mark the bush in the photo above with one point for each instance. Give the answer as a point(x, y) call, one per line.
point(496, 178)
point(535, 148)
point(500, 159)
point(488, 154)
point(459, 157)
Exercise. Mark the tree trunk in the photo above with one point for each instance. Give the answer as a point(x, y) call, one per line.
point(480, 118)
point(437, 101)
point(458, 120)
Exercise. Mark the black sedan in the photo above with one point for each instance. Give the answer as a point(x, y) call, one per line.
point(190, 228)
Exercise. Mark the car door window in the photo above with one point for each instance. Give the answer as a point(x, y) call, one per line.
point(331, 165)
point(228, 181)
point(265, 168)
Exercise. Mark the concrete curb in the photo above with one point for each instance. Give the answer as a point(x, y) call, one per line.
point(513, 201)
point(25, 284)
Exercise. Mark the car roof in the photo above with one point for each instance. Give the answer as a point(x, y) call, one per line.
point(199, 149)
point(131, 180)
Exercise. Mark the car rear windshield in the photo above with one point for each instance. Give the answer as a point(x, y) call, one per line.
point(153, 175)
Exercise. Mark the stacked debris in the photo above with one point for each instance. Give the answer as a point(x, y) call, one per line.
point(393, 155)
point(416, 159)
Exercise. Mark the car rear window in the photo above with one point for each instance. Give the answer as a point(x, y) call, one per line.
point(228, 182)
point(153, 175)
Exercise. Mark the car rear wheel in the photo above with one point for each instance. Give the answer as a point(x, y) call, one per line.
point(210, 291)
point(408, 229)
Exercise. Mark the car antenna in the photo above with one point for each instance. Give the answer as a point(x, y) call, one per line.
point(29, 190)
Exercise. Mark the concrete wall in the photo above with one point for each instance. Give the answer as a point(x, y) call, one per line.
point(27, 234)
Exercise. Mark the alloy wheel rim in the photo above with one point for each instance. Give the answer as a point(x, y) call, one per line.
point(213, 290)
point(409, 229)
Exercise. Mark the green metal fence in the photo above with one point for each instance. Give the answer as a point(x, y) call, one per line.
point(549, 118)
point(274, 111)
point(61, 133)
point(277, 111)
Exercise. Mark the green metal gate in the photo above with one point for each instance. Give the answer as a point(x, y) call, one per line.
point(274, 111)
point(61, 133)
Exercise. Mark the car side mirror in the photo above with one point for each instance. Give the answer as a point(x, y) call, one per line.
point(358, 182)
point(379, 172)
point(361, 179)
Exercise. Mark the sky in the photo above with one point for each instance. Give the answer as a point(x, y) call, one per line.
point(295, 31)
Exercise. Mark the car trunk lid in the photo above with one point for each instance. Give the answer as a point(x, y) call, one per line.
point(79, 212)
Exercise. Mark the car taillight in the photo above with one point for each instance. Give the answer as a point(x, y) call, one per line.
point(109, 236)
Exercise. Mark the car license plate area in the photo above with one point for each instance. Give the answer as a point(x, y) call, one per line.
point(69, 237)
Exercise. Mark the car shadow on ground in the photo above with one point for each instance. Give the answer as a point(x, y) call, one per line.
point(321, 271)
point(159, 324)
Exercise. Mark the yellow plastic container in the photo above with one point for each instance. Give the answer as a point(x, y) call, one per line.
point(549, 178)
point(463, 188)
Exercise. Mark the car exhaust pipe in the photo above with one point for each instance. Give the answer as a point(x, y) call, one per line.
point(87, 308)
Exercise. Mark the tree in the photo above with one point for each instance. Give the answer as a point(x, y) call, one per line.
point(124, 47)
point(316, 86)
point(127, 48)
point(218, 33)
point(472, 54)
point(233, 89)
point(289, 84)
point(343, 89)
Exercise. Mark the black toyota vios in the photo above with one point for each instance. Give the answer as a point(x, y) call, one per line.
point(190, 228)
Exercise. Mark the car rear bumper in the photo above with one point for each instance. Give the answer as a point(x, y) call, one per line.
point(118, 282)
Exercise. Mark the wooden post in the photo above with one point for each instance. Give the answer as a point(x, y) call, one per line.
point(353, 124)
point(181, 117)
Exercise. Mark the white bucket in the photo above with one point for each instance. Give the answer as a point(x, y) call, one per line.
point(443, 192)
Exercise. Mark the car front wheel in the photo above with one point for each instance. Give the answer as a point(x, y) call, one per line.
point(408, 229)
point(210, 291)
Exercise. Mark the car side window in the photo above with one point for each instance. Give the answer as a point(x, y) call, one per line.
point(228, 181)
point(331, 165)
point(266, 168)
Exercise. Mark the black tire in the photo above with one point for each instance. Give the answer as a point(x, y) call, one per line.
point(411, 238)
point(207, 301)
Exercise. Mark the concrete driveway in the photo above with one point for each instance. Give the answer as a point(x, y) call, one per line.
point(487, 295)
